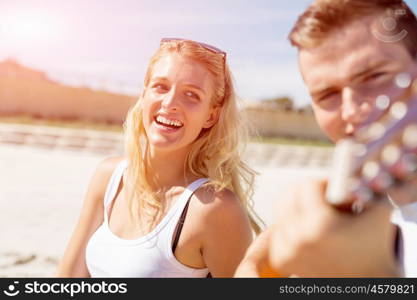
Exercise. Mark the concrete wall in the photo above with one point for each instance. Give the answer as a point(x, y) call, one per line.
point(280, 123)
point(48, 100)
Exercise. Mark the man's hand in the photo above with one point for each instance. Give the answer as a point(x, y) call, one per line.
point(256, 261)
point(313, 239)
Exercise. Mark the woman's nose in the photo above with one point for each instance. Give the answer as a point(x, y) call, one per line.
point(170, 101)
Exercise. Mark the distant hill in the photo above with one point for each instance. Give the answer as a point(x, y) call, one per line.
point(12, 69)
point(25, 91)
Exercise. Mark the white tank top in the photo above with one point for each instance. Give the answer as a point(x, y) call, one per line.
point(150, 255)
point(405, 217)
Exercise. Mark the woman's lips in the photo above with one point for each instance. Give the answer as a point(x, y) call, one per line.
point(165, 120)
point(165, 127)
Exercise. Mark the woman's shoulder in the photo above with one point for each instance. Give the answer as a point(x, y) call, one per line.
point(102, 175)
point(219, 212)
point(106, 166)
point(218, 203)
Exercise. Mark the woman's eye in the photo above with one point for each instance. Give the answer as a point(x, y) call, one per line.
point(160, 87)
point(192, 95)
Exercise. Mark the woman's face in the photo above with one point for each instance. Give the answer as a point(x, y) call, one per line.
point(177, 103)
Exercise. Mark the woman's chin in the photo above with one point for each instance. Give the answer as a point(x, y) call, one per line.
point(168, 142)
point(163, 144)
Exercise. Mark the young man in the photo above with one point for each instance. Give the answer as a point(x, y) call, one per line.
point(350, 52)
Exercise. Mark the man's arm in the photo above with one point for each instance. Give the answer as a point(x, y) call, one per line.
point(311, 238)
point(256, 260)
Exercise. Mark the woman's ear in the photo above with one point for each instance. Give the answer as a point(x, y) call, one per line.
point(142, 93)
point(213, 117)
point(140, 98)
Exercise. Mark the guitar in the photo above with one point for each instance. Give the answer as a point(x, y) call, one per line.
point(381, 155)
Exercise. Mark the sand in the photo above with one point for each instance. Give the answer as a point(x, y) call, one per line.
point(42, 190)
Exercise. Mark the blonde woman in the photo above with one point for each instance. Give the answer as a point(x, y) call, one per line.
point(178, 203)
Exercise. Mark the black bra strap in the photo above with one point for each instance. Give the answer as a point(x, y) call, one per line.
point(179, 229)
point(180, 224)
point(397, 243)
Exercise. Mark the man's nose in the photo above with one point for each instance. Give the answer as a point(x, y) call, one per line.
point(355, 107)
point(170, 101)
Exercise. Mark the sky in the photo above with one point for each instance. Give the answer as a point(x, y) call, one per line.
point(107, 43)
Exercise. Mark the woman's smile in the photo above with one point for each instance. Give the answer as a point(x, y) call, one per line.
point(167, 124)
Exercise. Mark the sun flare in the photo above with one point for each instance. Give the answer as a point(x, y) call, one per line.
point(28, 27)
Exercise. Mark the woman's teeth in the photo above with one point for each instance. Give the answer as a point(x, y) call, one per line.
point(165, 121)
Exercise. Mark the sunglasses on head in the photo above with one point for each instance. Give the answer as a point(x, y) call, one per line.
point(205, 46)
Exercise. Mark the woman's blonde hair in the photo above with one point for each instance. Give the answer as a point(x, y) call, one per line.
point(215, 154)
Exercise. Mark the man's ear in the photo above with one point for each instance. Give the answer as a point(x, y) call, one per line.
point(213, 117)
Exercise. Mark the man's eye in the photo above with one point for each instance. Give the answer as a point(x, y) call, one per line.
point(326, 96)
point(375, 76)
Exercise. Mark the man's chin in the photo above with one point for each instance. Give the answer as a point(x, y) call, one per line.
point(336, 139)
point(404, 194)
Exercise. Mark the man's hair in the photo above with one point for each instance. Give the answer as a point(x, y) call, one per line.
point(323, 17)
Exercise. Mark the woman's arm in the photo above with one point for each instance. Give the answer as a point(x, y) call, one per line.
point(73, 262)
point(227, 234)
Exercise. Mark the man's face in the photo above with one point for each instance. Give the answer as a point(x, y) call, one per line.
point(348, 71)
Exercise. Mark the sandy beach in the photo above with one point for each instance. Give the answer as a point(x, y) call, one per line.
point(43, 189)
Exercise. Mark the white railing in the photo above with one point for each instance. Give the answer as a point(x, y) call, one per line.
point(62, 138)
point(108, 143)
